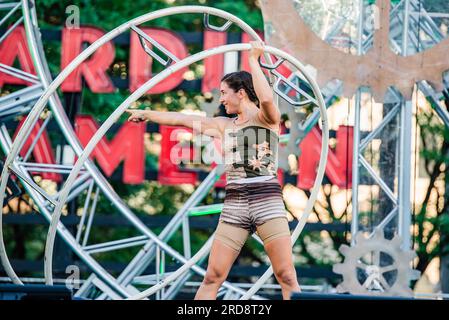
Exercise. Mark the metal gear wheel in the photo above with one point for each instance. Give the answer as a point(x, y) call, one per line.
point(374, 69)
point(376, 266)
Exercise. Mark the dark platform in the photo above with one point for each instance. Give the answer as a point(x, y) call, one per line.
point(34, 292)
point(342, 296)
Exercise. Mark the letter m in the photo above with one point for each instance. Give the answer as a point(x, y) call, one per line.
point(126, 146)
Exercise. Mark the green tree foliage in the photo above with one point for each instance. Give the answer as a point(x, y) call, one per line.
point(432, 216)
point(110, 14)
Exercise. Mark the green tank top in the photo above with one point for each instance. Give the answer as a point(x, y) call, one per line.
point(250, 150)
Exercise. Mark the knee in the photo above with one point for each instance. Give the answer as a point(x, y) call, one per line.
point(287, 276)
point(214, 277)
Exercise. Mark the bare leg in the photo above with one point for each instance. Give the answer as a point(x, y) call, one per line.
point(221, 258)
point(279, 251)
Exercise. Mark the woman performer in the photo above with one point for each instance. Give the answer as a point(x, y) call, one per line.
point(253, 201)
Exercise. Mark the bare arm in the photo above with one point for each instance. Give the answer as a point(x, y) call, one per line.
point(269, 111)
point(213, 127)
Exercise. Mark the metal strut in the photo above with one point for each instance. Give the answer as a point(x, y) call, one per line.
point(280, 78)
point(143, 37)
point(211, 27)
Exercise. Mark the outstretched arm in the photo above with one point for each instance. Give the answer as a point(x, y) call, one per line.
point(209, 126)
point(269, 111)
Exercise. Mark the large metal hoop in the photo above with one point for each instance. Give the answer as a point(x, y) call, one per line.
point(147, 86)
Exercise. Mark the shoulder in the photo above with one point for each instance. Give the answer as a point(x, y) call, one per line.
point(221, 122)
point(223, 119)
point(270, 113)
point(259, 117)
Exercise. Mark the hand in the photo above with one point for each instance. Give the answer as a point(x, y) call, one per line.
point(256, 49)
point(137, 115)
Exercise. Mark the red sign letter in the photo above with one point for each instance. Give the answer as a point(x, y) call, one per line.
point(140, 62)
point(42, 152)
point(339, 163)
point(13, 46)
point(169, 172)
point(213, 66)
point(127, 145)
point(94, 69)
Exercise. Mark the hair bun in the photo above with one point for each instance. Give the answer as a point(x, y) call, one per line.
point(241, 80)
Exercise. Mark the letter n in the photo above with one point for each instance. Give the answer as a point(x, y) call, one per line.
point(339, 163)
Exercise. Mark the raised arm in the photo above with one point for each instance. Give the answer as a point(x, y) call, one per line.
point(213, 127)
point(269, 111)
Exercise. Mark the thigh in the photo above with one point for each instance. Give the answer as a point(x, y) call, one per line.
point(279, 251)
point(275, 234)
point(221, 259)
point(231, 235)
point(272, 229)
point(226, 246)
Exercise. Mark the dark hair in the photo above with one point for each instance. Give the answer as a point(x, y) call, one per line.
point(241, 80)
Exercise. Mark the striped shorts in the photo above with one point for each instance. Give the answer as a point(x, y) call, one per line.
point(248, 205)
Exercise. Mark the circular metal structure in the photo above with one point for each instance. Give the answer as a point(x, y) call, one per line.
point(376, 266)
point(51, 207)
